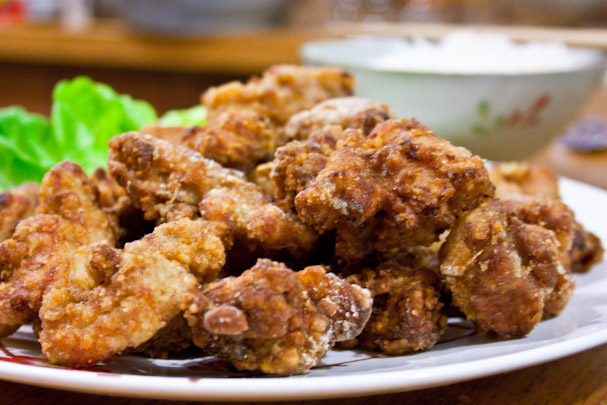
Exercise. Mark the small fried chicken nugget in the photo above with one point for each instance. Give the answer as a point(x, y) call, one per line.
point(125, 296)
point(502, 272)
point(402, 175)
point(267, 319)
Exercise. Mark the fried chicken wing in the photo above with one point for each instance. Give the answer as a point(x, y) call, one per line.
point(68, 216)
point(402, 175)
point(169, 181)
point(275, 320)
point(125, 295)
point(16, 205)
point(504, 274)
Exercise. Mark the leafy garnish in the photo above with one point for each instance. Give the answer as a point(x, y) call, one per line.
point(85, 115)
point(189, 117)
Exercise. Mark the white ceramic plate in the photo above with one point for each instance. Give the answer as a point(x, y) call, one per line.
point(462, 355)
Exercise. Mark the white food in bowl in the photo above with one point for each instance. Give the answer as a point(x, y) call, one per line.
point(500, 99)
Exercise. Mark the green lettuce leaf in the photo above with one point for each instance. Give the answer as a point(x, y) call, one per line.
point(183, 118)
point(85, 115)
point(27, 147)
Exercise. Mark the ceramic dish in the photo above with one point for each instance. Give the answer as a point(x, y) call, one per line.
point(461, 355)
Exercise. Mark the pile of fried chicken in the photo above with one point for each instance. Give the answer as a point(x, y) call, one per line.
point(299, 218)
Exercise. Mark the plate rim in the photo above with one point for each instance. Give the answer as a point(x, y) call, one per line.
point(300, 387)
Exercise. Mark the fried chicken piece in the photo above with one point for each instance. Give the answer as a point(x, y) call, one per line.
point(280, 92)
point(126, 295)
point(238, 138)
point(275, 320)
point(348, 112)
point(503, 273)
point(244, 120)
point(515, 179)
point(128, 219)
point(407, 311)
point(317, 132)
point(68, 216)
point(520, 178)
point(557, 217)
point(297, 163)
point(16, 205)
point(413, 182)
point(586, 250)
point(169, 181)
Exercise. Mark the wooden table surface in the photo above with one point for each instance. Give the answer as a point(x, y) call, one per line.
point(577, 379)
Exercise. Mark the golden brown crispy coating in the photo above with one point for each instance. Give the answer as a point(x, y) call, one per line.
point(516, 178)
point(347, 306)
point(15, 205)
point(400, 186)
point(298, 163)
point(268, 319)
point(68, 216)
point(347, 112)
point(407, 311)
point(239, 138)
point(502, 272)
point(125, 295)
point(169, 180)
point(586, 250)
point(280, 92)
point(557, 217)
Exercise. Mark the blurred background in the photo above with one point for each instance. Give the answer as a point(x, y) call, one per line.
point(169, 52)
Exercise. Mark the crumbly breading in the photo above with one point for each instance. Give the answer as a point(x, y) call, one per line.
point(238, 138)
point(126, 295)
point(407, 308)
point(68, 216)
point(515, 179)
point(16, 205)
point(275, 320)
point(504, 274)
point(347, 112)
point(297, 163)
point(167, 179)
point(280, 92)
point(401, 174)
point(558, 218)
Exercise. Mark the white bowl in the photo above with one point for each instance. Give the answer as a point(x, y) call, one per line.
point(500, 116)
